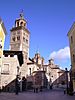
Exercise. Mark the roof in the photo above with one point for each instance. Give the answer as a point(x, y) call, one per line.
point(11, 52)
point(2, 24)
point(30, 61)
point(39, 71)
point(61, 71)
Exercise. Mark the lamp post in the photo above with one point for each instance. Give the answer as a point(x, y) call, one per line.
point(66, 72)
point(71, 82)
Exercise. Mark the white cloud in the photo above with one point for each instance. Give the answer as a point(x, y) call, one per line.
point(61, 54)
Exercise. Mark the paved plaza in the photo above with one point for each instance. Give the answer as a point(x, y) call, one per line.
point(46, 95)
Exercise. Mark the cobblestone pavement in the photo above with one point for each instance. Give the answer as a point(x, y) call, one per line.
point(46, 95)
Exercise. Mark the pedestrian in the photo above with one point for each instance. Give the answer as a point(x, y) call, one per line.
point(16, 85)
point(64, 91)
point(36, 89)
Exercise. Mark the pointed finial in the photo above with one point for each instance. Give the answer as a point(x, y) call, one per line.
point(37, 51)
point(21, 14)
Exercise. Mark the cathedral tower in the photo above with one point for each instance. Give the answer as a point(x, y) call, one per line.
point(20, 37)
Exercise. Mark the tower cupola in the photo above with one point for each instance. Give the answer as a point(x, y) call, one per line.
point(20, 21)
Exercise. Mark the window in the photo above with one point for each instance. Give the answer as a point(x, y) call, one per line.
point(26, 57)
point(0, 43)
point(21, 23)
point(30, 71)
point(0, 46)
point(11, 55)
point(6, 55)
point(18, 38)
point(17, 24)
point(13, 38)
point(74, 75)
point(73, 58)
point(5, 69)
point(71, 39)
point(26, 41)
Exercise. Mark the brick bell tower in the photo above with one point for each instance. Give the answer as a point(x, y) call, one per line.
point(19, 41)
point(20, 37)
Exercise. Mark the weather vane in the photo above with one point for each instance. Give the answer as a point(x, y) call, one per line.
point(22, 14)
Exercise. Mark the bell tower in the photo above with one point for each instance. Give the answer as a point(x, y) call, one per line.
point(19, 40)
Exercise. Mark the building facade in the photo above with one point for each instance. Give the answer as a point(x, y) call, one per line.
point(51, 70)
point(2, 39)
point(16, 61)
point(19, 41)
point(71, 36)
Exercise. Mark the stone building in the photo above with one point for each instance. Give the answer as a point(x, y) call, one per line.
point(2, 38)
point(71, 36)
point(16, 61)
point(19, 41)
point(10, 68)
point(53, 73)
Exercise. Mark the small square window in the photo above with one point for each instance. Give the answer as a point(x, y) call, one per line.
point(18, 38)
point(26, 41)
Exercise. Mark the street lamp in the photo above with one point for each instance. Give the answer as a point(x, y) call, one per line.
point(71, 82)
point(66, 71)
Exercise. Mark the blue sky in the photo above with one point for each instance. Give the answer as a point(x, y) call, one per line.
point(48, 22)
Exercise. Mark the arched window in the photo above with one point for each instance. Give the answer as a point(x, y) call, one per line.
point(21, 23)
point(18, 38)
point(17, 24)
